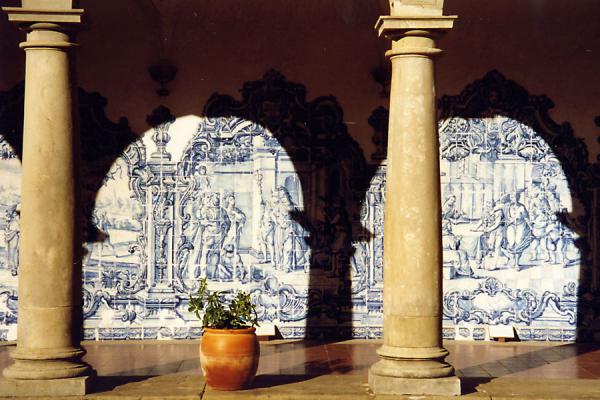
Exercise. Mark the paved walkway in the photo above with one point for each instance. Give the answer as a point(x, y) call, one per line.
point(304, 370)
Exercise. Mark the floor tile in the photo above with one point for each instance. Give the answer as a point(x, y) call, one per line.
point(354, 357)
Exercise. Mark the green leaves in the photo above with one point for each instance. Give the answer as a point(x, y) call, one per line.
point(240, 313)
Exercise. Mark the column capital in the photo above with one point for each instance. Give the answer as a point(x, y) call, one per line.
point(395, 26)
point(48, 23)
point(27, 15)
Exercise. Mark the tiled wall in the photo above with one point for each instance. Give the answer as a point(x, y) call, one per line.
point(518, 215)
point(271, 195)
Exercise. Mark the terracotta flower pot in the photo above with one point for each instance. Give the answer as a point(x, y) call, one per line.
point(229, 357)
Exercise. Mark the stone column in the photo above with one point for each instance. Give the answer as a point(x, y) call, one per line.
point(412, 356)
point(47, 359)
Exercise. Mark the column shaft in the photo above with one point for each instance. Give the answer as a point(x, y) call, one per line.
point(412, 238)
point(50, 264)
point(412, 356)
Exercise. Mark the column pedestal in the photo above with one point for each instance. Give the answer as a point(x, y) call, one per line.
point(412, 356)
point(37, 387)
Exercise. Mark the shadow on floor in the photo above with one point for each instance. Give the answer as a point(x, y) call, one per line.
point(110, 383)
point(531, 360)
point(469, 385)
point(270, 380)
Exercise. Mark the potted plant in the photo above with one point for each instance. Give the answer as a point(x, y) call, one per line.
point(229, 350)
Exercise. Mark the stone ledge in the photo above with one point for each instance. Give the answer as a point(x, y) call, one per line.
point(51, 387)
point(328, 387)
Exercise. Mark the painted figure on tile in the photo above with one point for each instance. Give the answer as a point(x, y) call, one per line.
point(452, 251)
point(202, 178)
point(539, 215)
point(553, 198)
point(280, 207)
point(101, 222)
point(12, 235)
point(266, 235)
point(564, 240)
point(570, 252)
point(368, 210)
point(193, 263)
point(294, 248)
point(338, 231)
point(492, 226)
point(285, 234)
point(212, 265)
point(215, 223)
point(230, 265)
point(359, 261)
point(237, 220)
point(382, 190)
point(554, 240)
point(450, 209)
point(212, 225)
point(518, 230)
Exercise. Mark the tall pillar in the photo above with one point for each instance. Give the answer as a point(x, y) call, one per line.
point(412, 356)
point(47, 359)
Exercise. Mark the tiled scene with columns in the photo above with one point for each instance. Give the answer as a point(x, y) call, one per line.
point(398, 185)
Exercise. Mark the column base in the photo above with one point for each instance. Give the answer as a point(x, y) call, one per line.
point(412, 362)
point(50, 387)
point(46, 364)
point(449, 386)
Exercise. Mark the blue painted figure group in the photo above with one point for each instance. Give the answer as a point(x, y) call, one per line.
point(281, 240)
point(520, 229)
point(216, 241)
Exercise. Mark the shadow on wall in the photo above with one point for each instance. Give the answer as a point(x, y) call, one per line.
point(102, 142)
point(333, 182)
point(520, 209)
point(318, 239)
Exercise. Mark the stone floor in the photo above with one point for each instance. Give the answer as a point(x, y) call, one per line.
point(295, 369)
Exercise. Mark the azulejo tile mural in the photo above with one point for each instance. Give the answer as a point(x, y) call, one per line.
point(517, 213)
point(271, 195)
